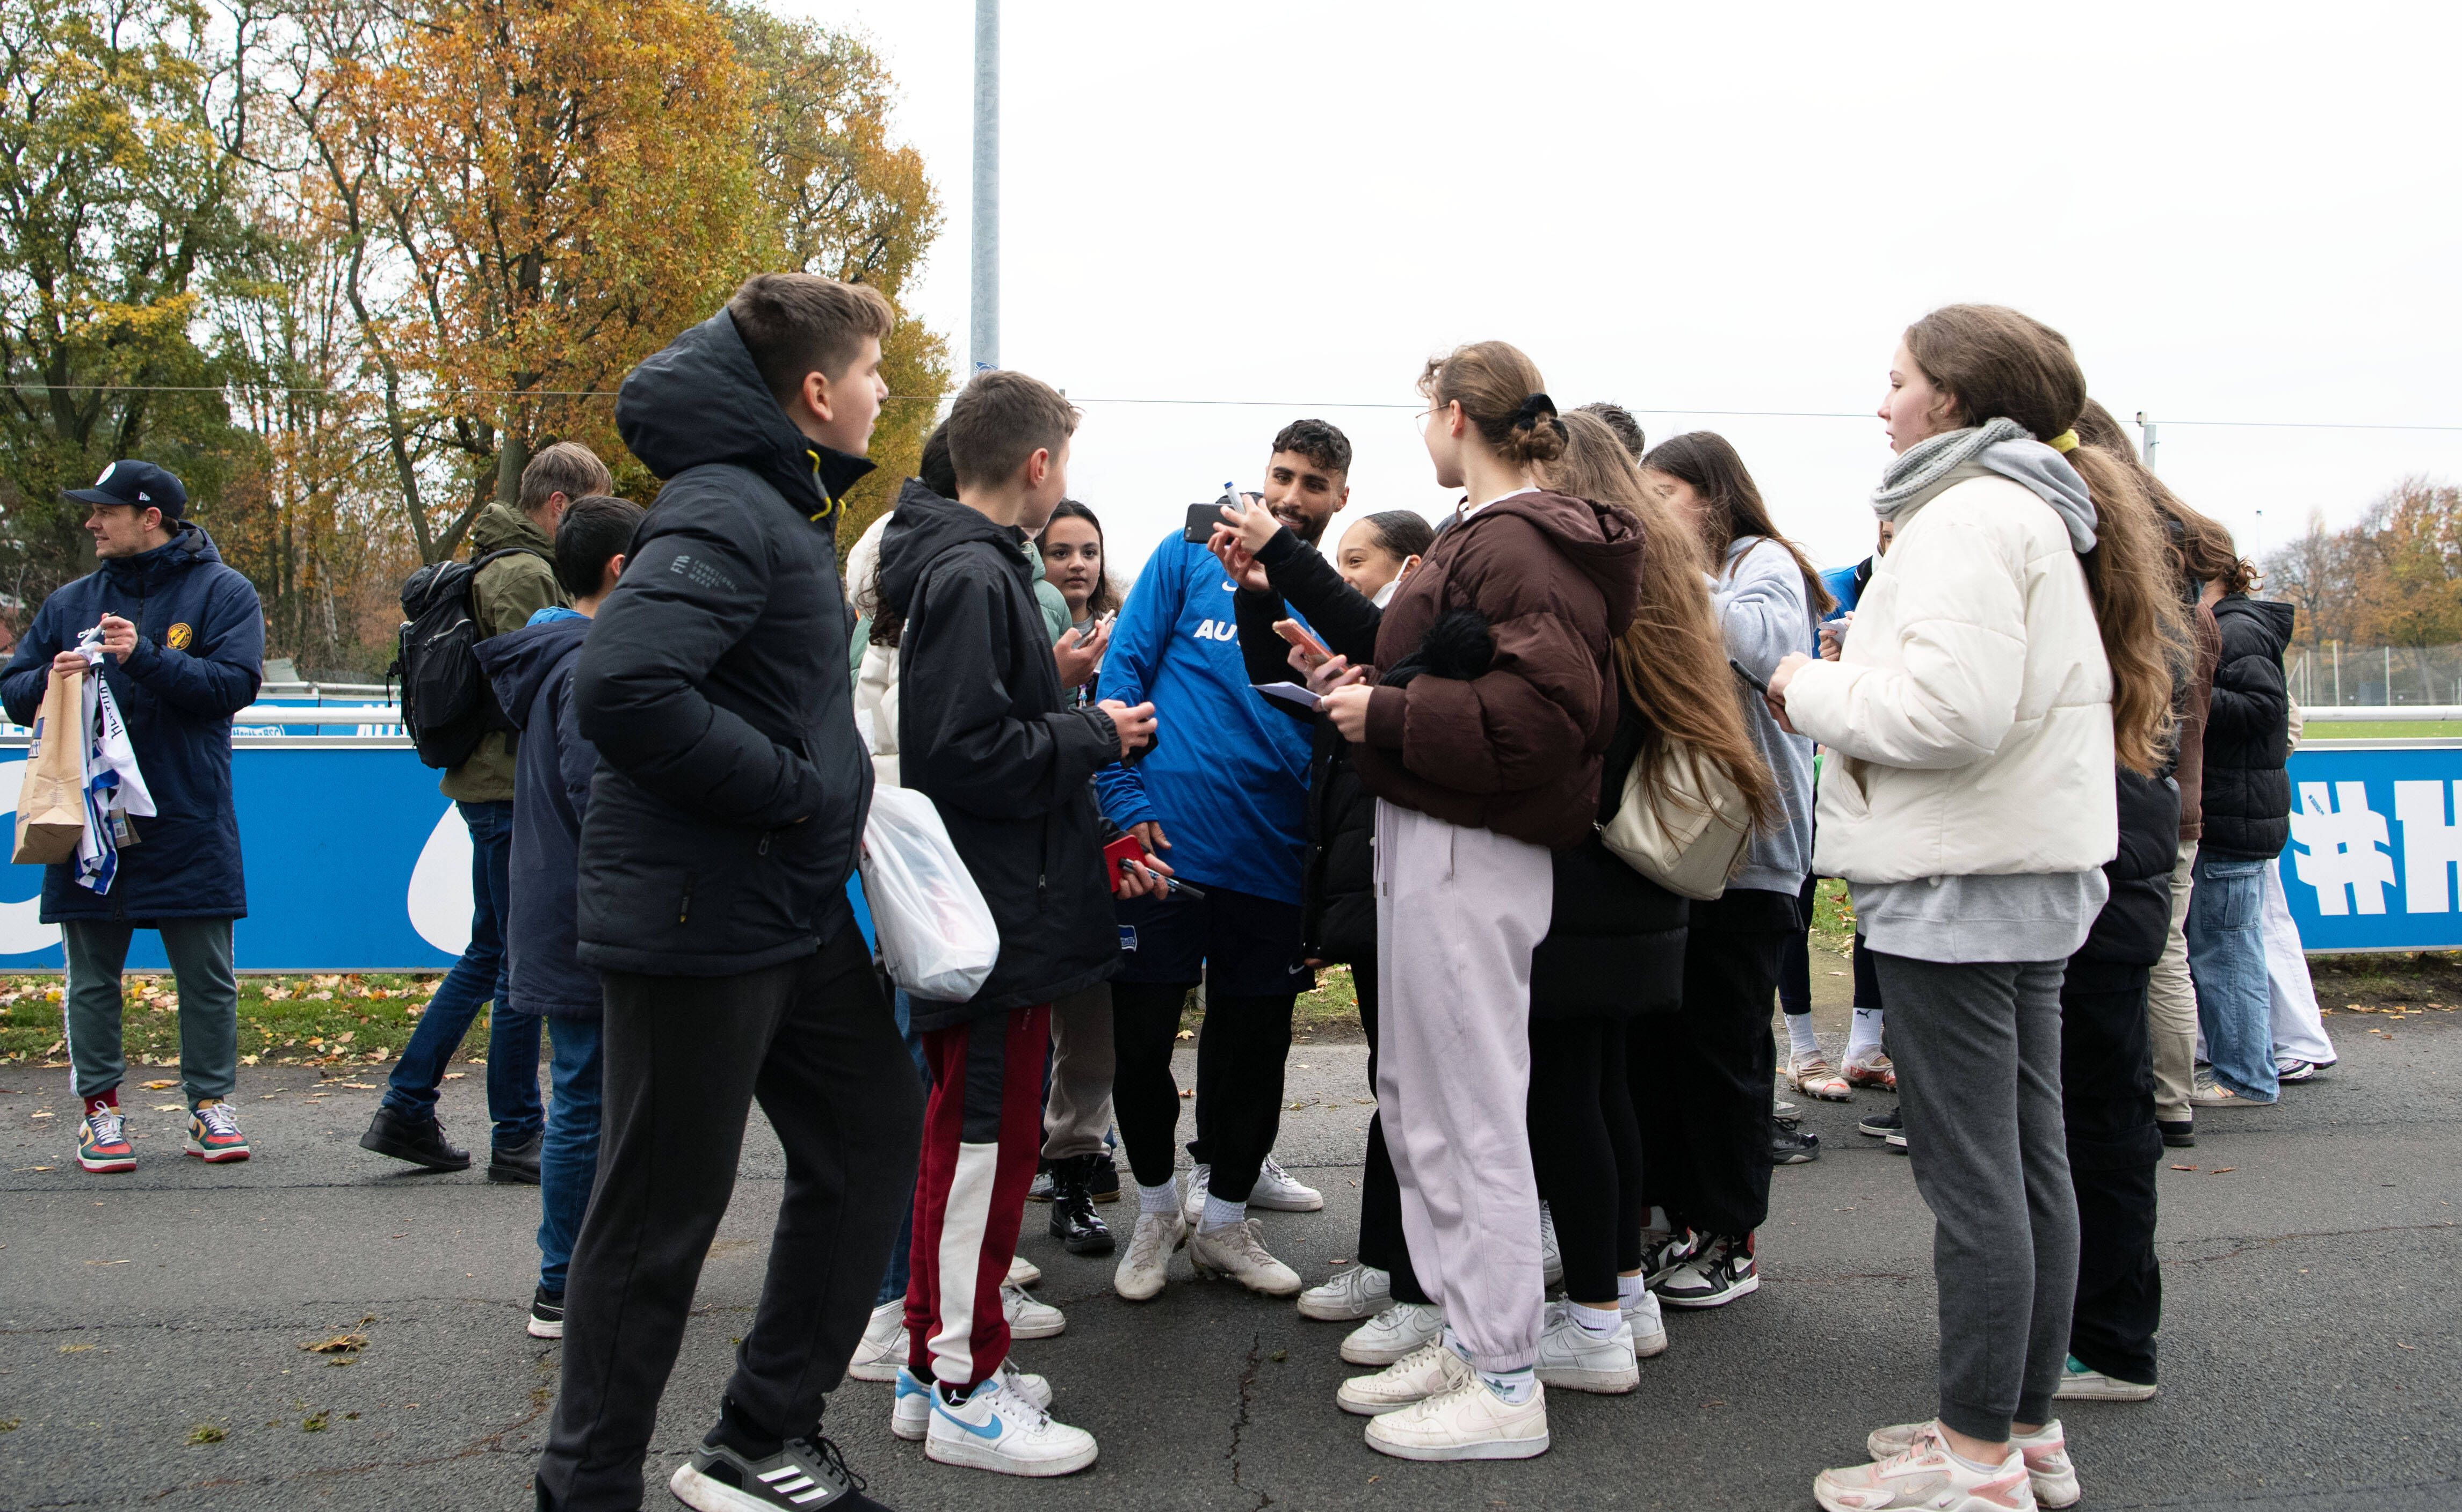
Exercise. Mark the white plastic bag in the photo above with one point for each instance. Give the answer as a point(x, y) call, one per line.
point(936, 931)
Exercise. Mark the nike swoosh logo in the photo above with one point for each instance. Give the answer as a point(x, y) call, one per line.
point(989, 1430)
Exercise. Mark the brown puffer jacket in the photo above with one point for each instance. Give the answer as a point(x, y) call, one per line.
point(1518, 750)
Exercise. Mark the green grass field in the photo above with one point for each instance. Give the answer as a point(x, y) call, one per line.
point(282, 1020)
point(2384, 729)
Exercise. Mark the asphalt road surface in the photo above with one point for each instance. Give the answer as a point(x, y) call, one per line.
point(152, 1326)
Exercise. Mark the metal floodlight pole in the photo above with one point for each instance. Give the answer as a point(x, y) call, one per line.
point(2147, 428)
point(984, 336)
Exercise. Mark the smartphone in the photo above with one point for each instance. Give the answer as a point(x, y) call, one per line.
point(1202, 518)
point(1756, 683)
point(1292, 630)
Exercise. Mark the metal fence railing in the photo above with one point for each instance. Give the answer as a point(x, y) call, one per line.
point(2341, 675)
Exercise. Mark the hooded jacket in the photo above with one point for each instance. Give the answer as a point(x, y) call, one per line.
point(1517, 749)
point(731, 787)
point(199, 655)
point(531, 670)
point(1969, 714)
point(2246, 787)
point(984, 732)
point(505, 594)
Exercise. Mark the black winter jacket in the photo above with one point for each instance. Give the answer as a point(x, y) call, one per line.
point(1338, 874)
point(199, 654)
point(2129, 935)
point(1615, 942)
point(531, 670)
point(985, 733)
point(731, 787)
point(2248, 734)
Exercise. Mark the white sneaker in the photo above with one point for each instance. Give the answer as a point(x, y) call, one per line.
point(1238, 1250)
point(1431, 1369)
point(1363, 1292)
point(1022, 1272)
point(1192, 1200)
point(2079, 1383)
point(1277, 1191)
point(1551, 1255)
point(2045, 1451)
point(882, 1353)
point(1002, 1430)
point(1925, 1474)
point(1394, 1333)
point(1028, 1318)
point(1468, 1423)
point(1573, 1357)
point(1148, 1255)
point(910, 1414)
point(1649, 1324)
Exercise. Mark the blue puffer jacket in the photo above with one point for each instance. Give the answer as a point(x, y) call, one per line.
point(532, 669)
point(199, 655)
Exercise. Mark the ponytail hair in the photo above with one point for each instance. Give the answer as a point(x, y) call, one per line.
point(1671, 661)
point(1503, 396)
point(1993, 362)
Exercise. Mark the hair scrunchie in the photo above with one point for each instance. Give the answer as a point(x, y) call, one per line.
point(1537, 407)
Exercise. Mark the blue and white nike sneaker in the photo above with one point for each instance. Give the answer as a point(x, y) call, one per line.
point(910, 1416)
point(1000, 1429)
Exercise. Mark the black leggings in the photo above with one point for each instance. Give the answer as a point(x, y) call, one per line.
point(1240, 1056)
point(1795, 971)
point(1585, 1146)
point(1702, 1088)
point(2115, 1152)
point(1381, 1242)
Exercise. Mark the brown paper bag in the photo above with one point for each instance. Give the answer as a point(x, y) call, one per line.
point(51, 804)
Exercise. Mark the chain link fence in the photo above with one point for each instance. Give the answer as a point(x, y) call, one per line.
point(2337, 676)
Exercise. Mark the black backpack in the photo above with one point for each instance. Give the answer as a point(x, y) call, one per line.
point(447, 703)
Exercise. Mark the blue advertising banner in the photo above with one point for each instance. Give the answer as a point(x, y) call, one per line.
point(2375, 835)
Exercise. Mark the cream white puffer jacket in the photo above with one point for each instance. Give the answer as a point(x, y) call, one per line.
point(1969, 716)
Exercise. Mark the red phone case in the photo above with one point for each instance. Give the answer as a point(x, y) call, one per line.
point(1124, 849)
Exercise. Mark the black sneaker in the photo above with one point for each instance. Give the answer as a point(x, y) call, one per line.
point(2179, 1134)
point(1660, 1257)
point(1102, 1177)
point(420, 1141)
point(1790, 1145)
point(805, 1475)
point(1723, 1270)
point(1074, 1219)
point(1881, 1125)
point(515, 1164)
point(1041, 1190)
point(546, 1314)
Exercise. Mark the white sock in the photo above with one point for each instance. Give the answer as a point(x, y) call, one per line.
point(1629, 1290)
point(1865, 1035)
point(1163, 1199)
point(1976, 1465)
point(1513, 1388)
point(1800, 1038)
point(1597, 1323)
point(1220, 1213)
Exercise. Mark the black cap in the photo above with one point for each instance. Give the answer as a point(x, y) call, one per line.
point(137, 485)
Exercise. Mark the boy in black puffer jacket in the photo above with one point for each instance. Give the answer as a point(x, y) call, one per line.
point(984, 732)
point(2248, 821)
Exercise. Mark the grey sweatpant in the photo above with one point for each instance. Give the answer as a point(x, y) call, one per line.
point(2172, 1003)
point(1077, 1111)
point(201, 969)
point(1978, 1048)
point(1457, 913)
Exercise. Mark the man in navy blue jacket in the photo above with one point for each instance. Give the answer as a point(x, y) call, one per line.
point(532, 669)
point(186, 648)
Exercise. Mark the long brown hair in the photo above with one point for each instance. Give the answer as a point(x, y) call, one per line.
point(1107, 596)
point(1710, 465)
point(1503, 396)
point(2201, 550)
point(1992, 361)
point(1670, 660)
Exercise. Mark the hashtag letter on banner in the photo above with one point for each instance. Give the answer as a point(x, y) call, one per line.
point(2429, 846)
point(2346, 858)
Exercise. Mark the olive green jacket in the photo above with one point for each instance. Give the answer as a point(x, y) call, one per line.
point(505, 595)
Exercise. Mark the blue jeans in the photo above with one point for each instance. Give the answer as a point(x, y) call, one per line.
point(482, 975)
point(569, 1154)
point(2227, 961)
point(892, 1282)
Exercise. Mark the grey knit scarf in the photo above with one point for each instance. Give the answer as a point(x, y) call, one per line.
point(1999, 445)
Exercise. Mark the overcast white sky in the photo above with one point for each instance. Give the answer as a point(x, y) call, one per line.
point(2236, 212)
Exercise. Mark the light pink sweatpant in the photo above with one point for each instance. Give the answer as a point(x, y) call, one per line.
point(1457, 913)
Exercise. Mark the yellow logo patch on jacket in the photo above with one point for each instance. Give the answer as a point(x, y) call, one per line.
point(178, 637)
